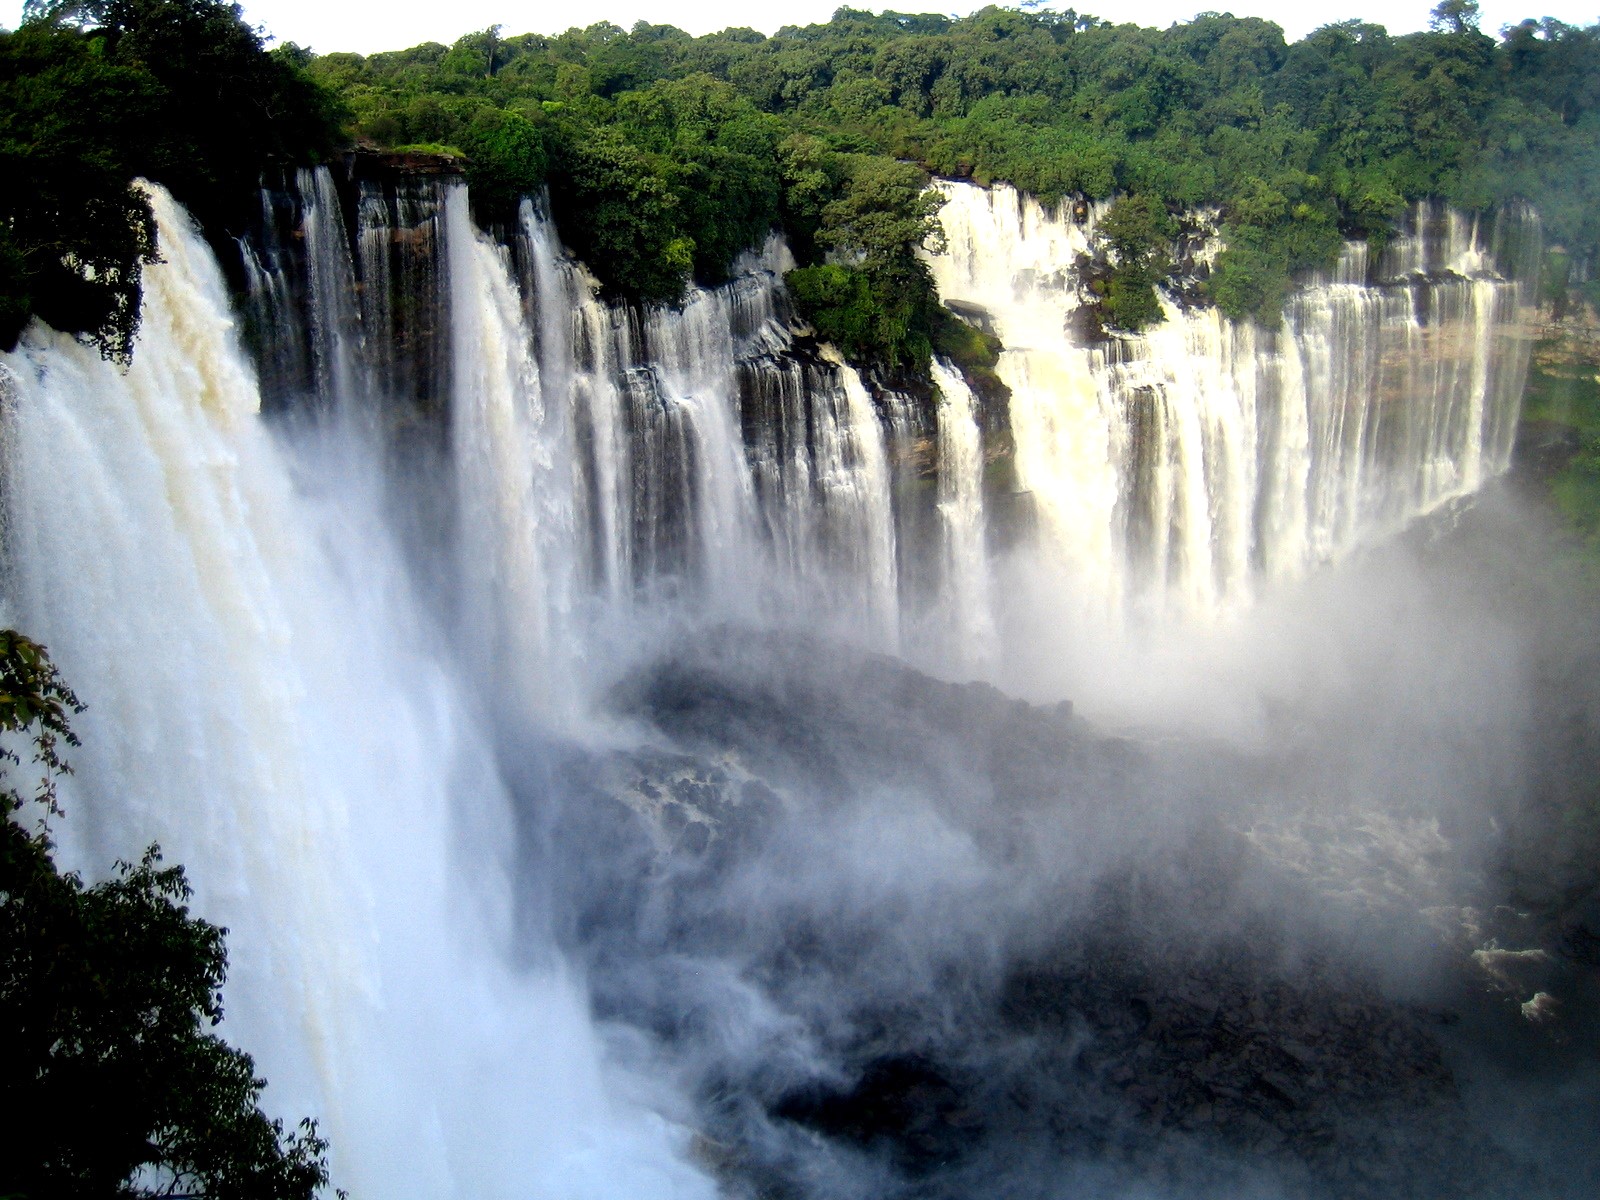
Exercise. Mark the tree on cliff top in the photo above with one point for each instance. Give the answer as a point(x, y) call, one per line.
point(93, 94)
point(114, 1085)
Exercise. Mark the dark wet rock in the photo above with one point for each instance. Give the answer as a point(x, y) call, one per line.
point(973, 314)
point(372, 162)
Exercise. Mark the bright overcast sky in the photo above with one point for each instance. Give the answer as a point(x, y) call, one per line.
point(370, 25)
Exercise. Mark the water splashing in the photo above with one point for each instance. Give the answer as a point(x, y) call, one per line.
point(268, 702)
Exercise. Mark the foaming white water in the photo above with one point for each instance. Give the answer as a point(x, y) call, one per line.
point(1175, 470)
point(337, 335)
point(514, 521)
point(859, 474)
point(710, 462)
point(266, 702)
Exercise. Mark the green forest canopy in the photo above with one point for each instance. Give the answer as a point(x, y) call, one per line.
point(178, 91)
point(666, 155)
point(705, 143)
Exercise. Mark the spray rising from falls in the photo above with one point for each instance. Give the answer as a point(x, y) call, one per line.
point(698, 454)
point(1173, 469)
point(609, 462)
point(264, 703)
point(308, 645)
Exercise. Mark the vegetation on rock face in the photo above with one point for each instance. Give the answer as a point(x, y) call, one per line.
point(1561, 411)
point(668, 155)
point(717, 139)
point(113, 1085)
point(874, 298)
point(1139, 231)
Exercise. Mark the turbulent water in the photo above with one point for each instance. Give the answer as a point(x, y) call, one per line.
point(477, 647)
point(269, 703)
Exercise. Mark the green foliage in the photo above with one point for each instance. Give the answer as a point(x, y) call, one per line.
point(74, 235)
point(94, 94)
point(1576, 491)
point(1563, 396)
point(436, 149)
point(720, 139)
point(975, 352)
point(34, 702)
point(508, 160)
point(1561, 408)
point(1139, 231)
point(876, 294)
point(112, 1083)
point(838, 302)
point(615, 208)
point(1249, 280)
point(225, 108)
point(718, 156)
point(1299, 145)
point(1455, 16)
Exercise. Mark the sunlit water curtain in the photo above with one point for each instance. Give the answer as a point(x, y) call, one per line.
point(1173, 470)
point(269, 702)
point(305, 638)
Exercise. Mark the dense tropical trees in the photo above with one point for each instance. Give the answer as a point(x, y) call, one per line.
point(667, 155)
point(93, 95)
point(1299, 145)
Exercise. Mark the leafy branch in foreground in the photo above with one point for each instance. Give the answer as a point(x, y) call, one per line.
point(114, 1085)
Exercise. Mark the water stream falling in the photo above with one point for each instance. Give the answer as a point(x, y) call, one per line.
point(1176, 469)
point(965, 553)
point(267, 701)
point(303, 640)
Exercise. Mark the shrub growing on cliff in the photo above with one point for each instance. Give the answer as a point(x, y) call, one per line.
point(74, 236)
point(876, 293)
point(508, 160)
point(1347, 126)
point(614, 207)
point(113, 1085)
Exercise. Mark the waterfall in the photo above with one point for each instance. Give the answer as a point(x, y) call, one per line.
point(338, 343)
point(713, 462)
point(1174, 470)
point(861, 479)
point(268, 702)
point(965, 558)
point(515, 524)
point(307, 640)
point(403, 287)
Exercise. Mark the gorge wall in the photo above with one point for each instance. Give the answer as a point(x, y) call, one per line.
point(716, 452)
point(1179, 468)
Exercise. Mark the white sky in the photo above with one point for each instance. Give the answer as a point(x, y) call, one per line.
point(370, 25)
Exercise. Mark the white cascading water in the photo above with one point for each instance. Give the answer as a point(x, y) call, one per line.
point(707, 459)
point(338, 342)
point(860, 480)
point(271, 701)
point(1174, 469)
point(515, 531)
point(267, 703)
point(965, 593)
